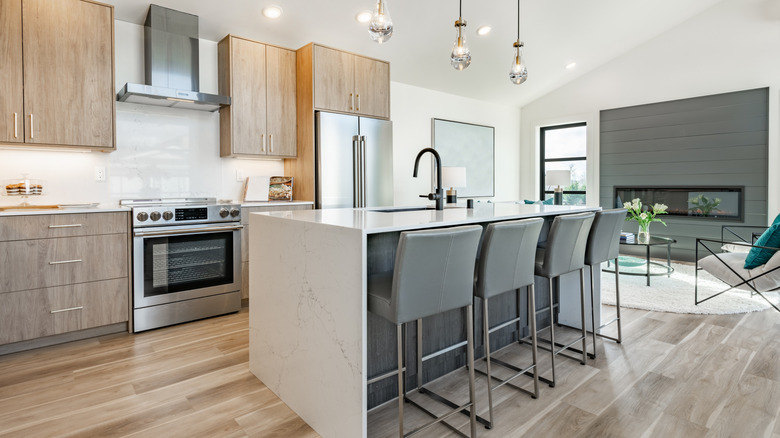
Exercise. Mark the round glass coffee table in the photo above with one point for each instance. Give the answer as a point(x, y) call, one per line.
point(666, 269)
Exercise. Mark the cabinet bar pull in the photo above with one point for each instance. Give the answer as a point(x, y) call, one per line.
point(65, 261)
point(65, 226)
point(358, 103)
point(67, 310)
point(271, 140)
point(351, 101)
point(262, 147)
point(32, 126)
point(16, 125)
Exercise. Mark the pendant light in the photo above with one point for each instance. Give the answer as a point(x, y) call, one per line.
point(460, 58)
point(380, 28)
point(518, 73)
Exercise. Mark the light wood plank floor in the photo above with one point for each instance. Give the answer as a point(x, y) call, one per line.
point(674, 375)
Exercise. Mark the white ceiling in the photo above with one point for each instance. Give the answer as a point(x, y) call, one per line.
point(555, 33)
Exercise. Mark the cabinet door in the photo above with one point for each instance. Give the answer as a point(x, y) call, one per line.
point(372, 87)
point(280, 64)
point(68, 73)
point(334, 80)
point(248, 94)
point(11, 73)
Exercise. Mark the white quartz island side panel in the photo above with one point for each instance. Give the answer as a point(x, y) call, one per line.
point(307, 306)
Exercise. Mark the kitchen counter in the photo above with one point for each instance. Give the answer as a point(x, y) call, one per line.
point(101, 208)
point(308, 316)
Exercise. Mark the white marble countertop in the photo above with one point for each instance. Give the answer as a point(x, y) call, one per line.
point(274, 203)
point(100, 208)
point(371, 221)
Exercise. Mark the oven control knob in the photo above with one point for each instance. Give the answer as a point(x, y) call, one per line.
point(155, 215)
point(142, 216)
point(223, 212)
point(234, 212)
point(167, 215)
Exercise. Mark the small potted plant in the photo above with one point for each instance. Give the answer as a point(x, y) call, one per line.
point(703, 205)
point(644, 218)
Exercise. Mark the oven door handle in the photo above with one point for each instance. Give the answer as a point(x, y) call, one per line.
point(190, 231)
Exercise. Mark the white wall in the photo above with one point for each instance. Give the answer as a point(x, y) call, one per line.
point(730, 47)
point(161, 152)
point(412, 109)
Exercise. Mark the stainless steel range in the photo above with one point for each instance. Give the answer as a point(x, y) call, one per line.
point(186, 260)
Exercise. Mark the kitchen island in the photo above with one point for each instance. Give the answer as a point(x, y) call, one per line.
point(310, 333)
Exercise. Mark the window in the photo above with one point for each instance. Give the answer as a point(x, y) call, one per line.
point(563, 147)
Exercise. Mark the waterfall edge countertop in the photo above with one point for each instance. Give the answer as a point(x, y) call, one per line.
point(381, 220)
point(308, 318)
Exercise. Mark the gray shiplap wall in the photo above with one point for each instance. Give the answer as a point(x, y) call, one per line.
point(717, 140)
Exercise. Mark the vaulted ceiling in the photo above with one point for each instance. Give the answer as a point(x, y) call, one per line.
point(555, 32)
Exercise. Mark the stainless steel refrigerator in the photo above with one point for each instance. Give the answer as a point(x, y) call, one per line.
point(354, 161)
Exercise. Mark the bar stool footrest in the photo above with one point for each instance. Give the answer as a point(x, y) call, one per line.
point(451, 404)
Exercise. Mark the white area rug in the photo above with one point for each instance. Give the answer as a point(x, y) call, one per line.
point(676, 294)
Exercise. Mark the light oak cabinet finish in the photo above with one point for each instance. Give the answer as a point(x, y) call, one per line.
point(260, 122)
point(38, 263)
point(350, 83)
point(44, 312)
point(11, 73)
point(336, 81)
point(68, 83)
point(245, 237)
point(61, 225)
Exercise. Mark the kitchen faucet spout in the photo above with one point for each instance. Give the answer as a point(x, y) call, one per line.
point(438, 194)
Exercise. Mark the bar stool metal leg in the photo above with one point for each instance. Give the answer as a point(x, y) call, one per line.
point(401, 393)
point(592, 312)
point(532, 323)
point(552, 333)
point(486, 340)
point(470, 360)
point(617, 319)
point(582, 316)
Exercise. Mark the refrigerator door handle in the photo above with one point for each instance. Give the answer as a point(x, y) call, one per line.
point(355, 172)
point(363, 171)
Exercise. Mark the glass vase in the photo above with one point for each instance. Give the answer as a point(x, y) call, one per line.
point(644, 233)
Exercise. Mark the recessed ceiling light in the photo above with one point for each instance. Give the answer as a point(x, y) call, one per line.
point(571, 65)
point(363, 16)
point(272, 11)
point(484, 30)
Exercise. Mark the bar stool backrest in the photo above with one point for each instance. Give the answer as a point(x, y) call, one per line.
point(604, 238)
point(566, 242)
point(434, 271)
point(507, 259)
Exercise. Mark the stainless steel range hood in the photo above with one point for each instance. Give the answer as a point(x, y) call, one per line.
point(171, 64)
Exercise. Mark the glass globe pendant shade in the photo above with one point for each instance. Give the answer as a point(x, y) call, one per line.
point(460, 58)
point(518, 73)
point(380, 28)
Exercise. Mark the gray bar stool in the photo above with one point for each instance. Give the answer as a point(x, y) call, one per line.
point(564, 253)
point(433, 273)
point(506, 263)
point(603, 245)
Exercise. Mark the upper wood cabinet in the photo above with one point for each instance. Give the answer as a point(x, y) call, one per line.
point(350, 83)
point(65, 95)
point(260, 79)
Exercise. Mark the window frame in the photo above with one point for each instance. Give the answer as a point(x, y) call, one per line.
point(543, 160)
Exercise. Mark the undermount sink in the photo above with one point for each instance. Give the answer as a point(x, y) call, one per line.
point(401, 209)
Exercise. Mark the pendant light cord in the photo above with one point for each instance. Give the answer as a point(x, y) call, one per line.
point(518, 20)
point(460, 9)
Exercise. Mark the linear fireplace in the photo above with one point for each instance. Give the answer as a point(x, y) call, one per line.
point(710, 202)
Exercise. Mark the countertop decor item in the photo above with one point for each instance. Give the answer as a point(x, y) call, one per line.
point(24, 187)
point(453, 177)
point(280, 188)
point(256, 188)
point(644, 218)
point(558, 178)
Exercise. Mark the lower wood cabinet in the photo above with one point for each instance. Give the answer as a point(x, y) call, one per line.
point(37, 313)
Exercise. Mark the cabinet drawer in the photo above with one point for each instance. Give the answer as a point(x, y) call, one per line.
point(34, 264)
point(61, 225)
point(44, 312)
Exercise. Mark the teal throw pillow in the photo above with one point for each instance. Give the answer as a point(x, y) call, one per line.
point(776, 221)
point(758, 256)
point(548, 201)
point(528, 202)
